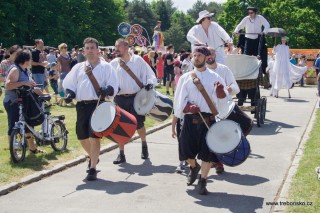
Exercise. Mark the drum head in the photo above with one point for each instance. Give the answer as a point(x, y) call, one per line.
point(223, 136)
point(144, 101)
point(225, 109)
point(103, 116)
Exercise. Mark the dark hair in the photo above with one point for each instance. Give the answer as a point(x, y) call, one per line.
point(14, 49)
point(90, 40)
point(76, 47)
point(169, 46)
point(22, 56)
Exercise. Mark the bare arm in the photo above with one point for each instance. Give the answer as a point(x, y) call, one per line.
point(12, 80)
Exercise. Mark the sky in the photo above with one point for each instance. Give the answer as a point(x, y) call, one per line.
point(184, 5)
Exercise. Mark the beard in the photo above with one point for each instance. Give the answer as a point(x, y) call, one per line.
point(211, 61)
point(199, 64)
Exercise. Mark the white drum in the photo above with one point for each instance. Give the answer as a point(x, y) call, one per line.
point(223, 136)
point(225, 110)
point(162, 108)
point(103, 117)
point(144, 101)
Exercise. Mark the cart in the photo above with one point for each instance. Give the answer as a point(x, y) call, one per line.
point(246, 70)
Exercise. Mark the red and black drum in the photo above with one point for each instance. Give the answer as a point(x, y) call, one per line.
point(111, 121)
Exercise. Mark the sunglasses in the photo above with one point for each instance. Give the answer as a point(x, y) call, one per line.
point(209, 18)
point(64, 47)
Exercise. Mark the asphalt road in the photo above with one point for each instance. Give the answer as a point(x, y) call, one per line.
point(153, 186)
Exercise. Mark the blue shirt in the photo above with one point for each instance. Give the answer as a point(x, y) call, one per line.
point(293, 61)
point(317, 63)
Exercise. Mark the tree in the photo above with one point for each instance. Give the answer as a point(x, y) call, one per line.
point(174, 35)
point(164, 10)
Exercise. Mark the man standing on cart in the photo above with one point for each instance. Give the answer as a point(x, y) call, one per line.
point(253, 30)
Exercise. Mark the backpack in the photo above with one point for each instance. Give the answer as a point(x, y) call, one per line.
point(73, 61)
point(32, 111)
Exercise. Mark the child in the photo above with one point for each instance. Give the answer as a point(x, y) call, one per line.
point(184, 68)
point(176, 129)
point(53, 77)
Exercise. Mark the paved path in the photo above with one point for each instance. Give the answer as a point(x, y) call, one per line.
point(153, 186)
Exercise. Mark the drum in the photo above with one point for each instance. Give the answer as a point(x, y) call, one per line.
point(113, 122)
point(226, 140)
point(162, 108)
point(144, 101)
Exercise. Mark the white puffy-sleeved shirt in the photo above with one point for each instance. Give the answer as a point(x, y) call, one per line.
point(216, 38)
point(253, 26)
point(226, 74)
point(140, 68)
point(78, 81)
point(187, 91)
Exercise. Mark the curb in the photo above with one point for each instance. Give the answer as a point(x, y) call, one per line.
point(63, 166)
point(283, 191)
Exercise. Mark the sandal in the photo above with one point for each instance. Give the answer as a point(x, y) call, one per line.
point(37, 151)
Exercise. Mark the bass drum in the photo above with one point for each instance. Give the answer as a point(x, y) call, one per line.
point(227, 141)
point(162, 108)
point(144, 101)
point(111, 121)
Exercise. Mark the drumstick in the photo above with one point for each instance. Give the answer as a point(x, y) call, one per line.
point(204, 120)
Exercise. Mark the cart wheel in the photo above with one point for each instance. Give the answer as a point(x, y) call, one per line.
point(263, 109)
point(257, 113)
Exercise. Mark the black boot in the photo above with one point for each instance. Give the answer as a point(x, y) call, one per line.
point(193, 174)
point(202, 186)
point(144, 153)
point(120, 159)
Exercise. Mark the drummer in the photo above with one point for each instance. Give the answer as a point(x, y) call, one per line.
point(79, 86)
point(188, 103)
point(129, 88)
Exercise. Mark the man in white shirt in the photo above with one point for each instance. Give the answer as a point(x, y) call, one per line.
point(253, 25)
point(79, 86)
point(209, 33)
point(129, 89)
point(188, 104)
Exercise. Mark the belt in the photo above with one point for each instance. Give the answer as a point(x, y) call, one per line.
point(88, 102)
point(206, 119)
point(128, 95)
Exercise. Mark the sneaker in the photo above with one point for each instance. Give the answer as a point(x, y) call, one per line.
point(92, 174)
point(120, 159)
point(202, 186)
point(180, 168)
point(219, 168)
point(193, 174)
point(144, 153)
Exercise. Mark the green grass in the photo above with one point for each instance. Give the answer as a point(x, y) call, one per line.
point(305, 186)
point(11, 172)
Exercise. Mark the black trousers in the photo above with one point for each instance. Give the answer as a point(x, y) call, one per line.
point(251, 46)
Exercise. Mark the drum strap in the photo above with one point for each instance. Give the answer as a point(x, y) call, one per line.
point(129, 71)
point(204, 93)
point(93, 79)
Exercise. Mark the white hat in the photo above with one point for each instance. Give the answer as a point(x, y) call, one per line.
point(204, 14)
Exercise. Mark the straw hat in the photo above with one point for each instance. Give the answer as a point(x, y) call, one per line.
point(204, 14)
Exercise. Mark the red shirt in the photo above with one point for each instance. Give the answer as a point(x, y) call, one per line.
point(146, 58)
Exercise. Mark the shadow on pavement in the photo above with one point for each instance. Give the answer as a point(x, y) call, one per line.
point(255, 156)
point(240, 179)
point(295, 100)
point(146, 169)
point(270, 127)
point(235, 203)
point(111, 187)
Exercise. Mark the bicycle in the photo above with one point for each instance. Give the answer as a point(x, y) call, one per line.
point(53, 129)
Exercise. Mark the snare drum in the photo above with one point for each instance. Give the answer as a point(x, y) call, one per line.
point(144, 101)
point(162, 108)
point(227, 141)
point(113, 122)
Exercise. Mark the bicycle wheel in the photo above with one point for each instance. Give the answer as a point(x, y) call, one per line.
point(59, 135)
point(18, 147)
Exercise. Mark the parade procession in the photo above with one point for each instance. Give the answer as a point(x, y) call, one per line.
point(203, 114)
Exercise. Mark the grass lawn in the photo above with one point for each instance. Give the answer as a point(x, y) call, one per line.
point(305, 186)
point(11, 172)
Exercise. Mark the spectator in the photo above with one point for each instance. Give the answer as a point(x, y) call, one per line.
point(7, 63)
point(39, 63)
point(302, 63)
point(51, 57)
point(53, 77)
point(169, 69)
point(81, 57)
point(160, 67)
point(317, 63)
